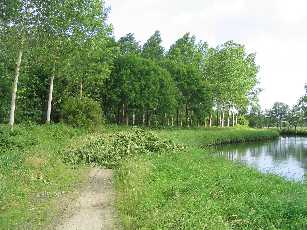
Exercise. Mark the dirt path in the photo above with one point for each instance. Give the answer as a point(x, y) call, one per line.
point(94, 209)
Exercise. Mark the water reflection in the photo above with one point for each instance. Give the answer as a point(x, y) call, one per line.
point(286, 156)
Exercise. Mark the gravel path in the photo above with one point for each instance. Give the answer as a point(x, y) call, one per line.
point(94, 209)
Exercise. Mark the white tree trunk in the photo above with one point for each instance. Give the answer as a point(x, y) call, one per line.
point(143, 120)
point(49, 108)
point(223, 119)
point(210, 121)
point(133, 118)
point(228, 119)
point(81, 88)
point(172, 121)
point(14, 89)
point(236, 119)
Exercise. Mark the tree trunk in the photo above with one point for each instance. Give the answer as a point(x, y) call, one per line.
point(14, 89)
point(236, 119)
point(223, 119)
point(187, 115)
point(210, 121)
point(228, 119)
point(127, 116)
point(233, 119)
point(50, 99)
point(143, 119)
point(81, 88)
point(123, 113)
point(177, 119)
point(133, 118)
point(172, 121)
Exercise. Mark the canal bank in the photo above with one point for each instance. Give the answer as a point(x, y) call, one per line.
point(195, 189)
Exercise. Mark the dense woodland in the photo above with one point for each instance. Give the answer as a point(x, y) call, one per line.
point(59, 60)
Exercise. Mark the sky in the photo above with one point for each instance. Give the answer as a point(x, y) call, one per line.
point(276, 30)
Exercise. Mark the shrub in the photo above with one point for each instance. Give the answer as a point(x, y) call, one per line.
point(107, 150)
point(19, 138)
point(82, 112)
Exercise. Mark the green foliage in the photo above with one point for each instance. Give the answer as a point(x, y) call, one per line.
point(109, 150)
point(15, 139)
point(82, 112)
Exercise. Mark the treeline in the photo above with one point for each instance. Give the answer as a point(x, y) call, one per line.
point(52, 51)
point(281, 115)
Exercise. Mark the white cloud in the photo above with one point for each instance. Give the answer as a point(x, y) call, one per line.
point(274, 29)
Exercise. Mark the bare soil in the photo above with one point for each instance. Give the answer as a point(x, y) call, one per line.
point(94, 209)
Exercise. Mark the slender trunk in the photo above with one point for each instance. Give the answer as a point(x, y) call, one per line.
point(177, 117)
point(81, 88)
point(14, 89)
point(223, 118)
point(50, 98)
point(228, 119)
point(148, 118)
point(127, 116)
point(186, 115)
point(172, 121)
point(123, 113)
point(217, 119)
point(133, 118)
point(236, 119)
point(210, 121)
point(143, 119)
point(233, 119)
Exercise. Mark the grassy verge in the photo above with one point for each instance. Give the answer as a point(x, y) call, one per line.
point(195, 190)
point(292, 132)
point(32, 176)
point(216, 136)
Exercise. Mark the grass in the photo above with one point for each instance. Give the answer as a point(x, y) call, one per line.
point(216, 136)
point(188, 189)
point(195, 190)
point(292, 132)
point(32, 177)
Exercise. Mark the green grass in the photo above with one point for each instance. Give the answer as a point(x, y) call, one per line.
point(195, 190)
point(32, 176)
point(216, 136)
point(292, 132)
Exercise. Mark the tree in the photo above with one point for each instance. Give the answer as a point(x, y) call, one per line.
point(279, 112)
point(20, 24)
point(232, 76)
point(185, 62)
point(152, 49)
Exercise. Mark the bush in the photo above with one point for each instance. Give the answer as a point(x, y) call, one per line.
point(17, 139)
point(107, 150)
point(82, 112)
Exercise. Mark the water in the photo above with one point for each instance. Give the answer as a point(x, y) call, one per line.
point(286, 157)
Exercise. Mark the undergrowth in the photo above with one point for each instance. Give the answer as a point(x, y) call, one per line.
point(109, 149)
